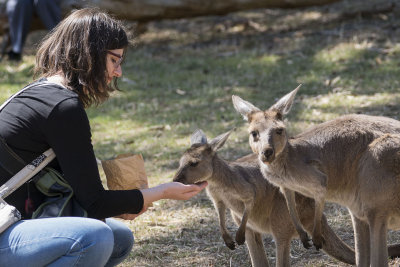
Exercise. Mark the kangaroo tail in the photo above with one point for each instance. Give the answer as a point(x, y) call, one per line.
point(335, 247)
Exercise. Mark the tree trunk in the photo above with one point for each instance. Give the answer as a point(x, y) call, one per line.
point(147, 10)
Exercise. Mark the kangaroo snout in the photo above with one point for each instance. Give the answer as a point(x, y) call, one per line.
point(178, 177)
point(183, 181)
point(268, 155)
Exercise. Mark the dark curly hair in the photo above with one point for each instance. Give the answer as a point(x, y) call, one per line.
point(77, 47)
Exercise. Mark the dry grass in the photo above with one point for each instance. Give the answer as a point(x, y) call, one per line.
point(180, 76)
point(186, 233)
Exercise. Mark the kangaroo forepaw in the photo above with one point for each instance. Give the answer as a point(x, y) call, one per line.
point(318, 242)
point(240, 238)
point(305, 240)
point(228, 241)
point(230, 245)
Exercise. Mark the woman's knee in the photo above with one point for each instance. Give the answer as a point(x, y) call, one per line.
point(62, 241)
point(123, 241)
point(97, 233)
point(94, 243)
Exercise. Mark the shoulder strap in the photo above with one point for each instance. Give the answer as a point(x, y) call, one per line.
point(9, 160)
point(26, 173)
point(20, 91)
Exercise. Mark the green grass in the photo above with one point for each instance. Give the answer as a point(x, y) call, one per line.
point(181, 76)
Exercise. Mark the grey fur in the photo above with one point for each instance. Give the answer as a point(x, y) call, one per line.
point(353, 160)
point(256, 205)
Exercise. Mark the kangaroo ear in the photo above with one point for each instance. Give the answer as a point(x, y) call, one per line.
point(284, 104)
point(198, 137)
point(244, 107)
point(219, 141)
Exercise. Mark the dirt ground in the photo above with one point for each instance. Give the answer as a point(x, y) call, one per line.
point(274, 31)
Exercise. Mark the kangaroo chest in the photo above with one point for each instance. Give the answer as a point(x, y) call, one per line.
point(282, 177)
point(233, 199)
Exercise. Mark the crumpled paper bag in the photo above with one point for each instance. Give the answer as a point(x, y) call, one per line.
point(125, 172)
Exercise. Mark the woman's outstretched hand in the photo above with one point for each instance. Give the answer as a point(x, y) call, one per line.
point(172, 190)
point(179, 191)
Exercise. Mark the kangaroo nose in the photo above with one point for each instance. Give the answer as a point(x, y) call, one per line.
point(267, 153)
point(179, 177)
point(176, 178)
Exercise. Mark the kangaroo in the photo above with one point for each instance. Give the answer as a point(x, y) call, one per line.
point(255, 204)
point(353, 160)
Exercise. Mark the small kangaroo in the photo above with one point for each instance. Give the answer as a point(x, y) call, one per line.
point(353, 160)
point(255, 204)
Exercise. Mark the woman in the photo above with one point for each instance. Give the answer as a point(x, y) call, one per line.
point(78, 63)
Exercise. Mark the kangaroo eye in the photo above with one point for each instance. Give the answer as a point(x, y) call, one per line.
point(254, 134)
point(279, 131)
point(193, 164)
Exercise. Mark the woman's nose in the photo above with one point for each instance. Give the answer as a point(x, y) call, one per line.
point(118, 71)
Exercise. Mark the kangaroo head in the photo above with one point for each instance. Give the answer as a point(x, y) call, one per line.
point(196, 164)
point(267, 131)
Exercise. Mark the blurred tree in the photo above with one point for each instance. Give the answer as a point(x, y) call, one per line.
point(144, 10)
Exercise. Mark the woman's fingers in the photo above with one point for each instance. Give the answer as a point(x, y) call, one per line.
point(202, 185)
point(130, 216)
point(127, 216)
point(193, 190)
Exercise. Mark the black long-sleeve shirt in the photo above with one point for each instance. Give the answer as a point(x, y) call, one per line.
point(49, 115)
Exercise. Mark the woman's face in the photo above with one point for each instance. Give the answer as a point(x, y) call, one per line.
point(113, 65)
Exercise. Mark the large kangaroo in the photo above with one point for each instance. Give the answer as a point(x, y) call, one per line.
point(255, 204)
point(353, 160)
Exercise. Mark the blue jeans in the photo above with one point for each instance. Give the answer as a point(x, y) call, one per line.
point(65, 241)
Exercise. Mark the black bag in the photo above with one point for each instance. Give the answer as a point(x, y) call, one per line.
point(59, 196)
point(8, 213)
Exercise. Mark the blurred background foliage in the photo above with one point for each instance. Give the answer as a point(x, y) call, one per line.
point(180, 75)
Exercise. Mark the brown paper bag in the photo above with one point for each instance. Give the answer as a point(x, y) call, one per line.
point(125, 172)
